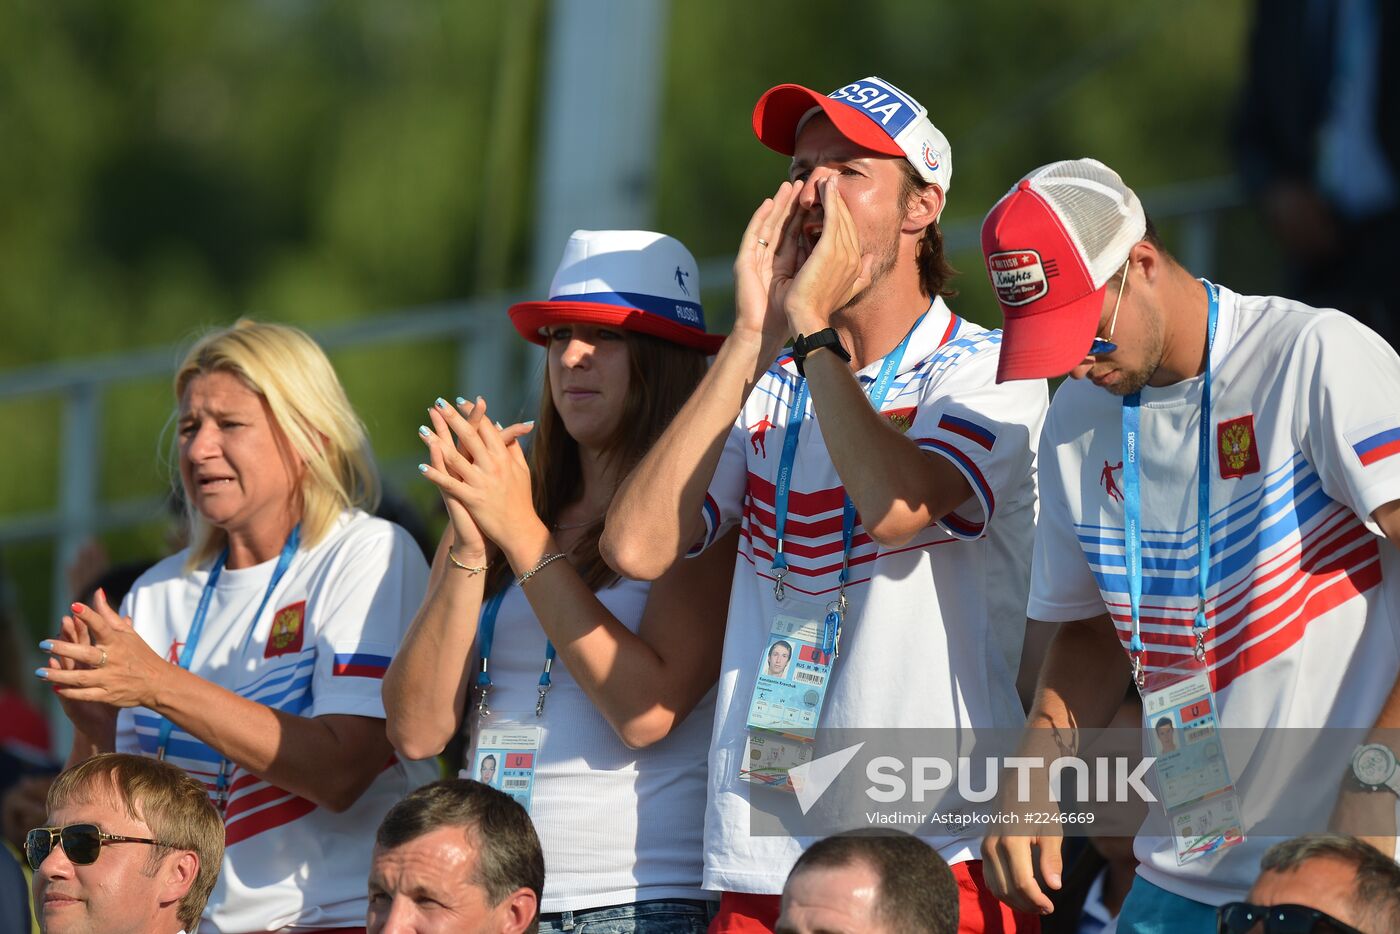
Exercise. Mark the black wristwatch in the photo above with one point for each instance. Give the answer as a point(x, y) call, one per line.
point(806, 343)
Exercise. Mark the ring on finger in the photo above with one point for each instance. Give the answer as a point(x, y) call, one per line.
point(761, 241)
point(103, 660)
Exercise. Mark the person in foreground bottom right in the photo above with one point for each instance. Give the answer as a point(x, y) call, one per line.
point(1320, 882)
point(1277, 426)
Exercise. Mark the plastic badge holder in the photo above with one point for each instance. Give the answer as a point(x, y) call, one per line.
point(507, 749)
point(793, 674)
point(1193, 777)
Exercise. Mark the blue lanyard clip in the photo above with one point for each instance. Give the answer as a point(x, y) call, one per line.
point(483, 685)
point(221, 786)
point(831, 629)
point(544, 681)
point(779, 590)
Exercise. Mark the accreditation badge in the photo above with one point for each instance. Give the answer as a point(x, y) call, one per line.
point(794, 671)
point(505, 753)
point(1193, 777)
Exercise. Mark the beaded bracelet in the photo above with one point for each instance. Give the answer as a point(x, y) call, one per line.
point(471, 571)
point(537, 568)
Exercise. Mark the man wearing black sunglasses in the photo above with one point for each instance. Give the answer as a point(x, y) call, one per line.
point(1319, 884)
point(131, 845)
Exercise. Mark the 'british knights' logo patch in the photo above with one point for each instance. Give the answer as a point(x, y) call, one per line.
point(287, 630)
point(1236, 447)
point(1019, 276)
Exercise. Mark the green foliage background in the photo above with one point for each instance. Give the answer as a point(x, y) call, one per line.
point(169, 166)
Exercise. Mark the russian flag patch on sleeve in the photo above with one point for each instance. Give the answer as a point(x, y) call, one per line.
point(968, 429)
point(360, 664)
point(1376, 442)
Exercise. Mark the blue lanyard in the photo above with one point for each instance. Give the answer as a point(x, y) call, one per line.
point(1132, 504)
point(486, 635)
point(201, 613)
point(796, 411)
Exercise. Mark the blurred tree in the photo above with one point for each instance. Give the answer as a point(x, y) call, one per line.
point(165, 167)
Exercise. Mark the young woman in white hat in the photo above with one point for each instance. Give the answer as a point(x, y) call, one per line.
point(607, 749)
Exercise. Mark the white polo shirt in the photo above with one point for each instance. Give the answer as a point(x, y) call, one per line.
point(933, 634)
point(340, 612)
point(1304, 600)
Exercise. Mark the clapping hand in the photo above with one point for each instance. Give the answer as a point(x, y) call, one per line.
point(103, 662)
point(481, 471)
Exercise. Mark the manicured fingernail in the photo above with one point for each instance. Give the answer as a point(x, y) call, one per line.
point(77, 608)
point(45, 646)
point(441, 402)
point(462, 401)
point(41, 672)
point(102, 593)
point(500, 427)
point(423, 430)
point(422, 468)
point(529, 424)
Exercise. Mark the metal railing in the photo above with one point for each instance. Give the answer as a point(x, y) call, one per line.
point(485, 346)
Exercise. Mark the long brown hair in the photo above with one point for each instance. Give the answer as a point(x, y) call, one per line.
point(662, 375)
point(935, 272)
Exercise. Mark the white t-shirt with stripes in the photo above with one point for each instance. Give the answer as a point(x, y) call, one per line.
point(933, 635)
point(1304, 595)
point(321, 647)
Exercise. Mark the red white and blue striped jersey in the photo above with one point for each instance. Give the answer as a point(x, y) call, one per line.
point(933, 635)
point(1304, 595)
point(321, 647)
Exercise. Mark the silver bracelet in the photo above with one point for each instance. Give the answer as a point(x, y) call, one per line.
point(537, 568)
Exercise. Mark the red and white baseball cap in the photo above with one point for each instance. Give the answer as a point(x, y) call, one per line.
point(634, 280)
point(1051, 245)
point(871, 113)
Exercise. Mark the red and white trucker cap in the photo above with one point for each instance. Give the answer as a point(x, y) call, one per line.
point(1051, 245)
point(871, 113)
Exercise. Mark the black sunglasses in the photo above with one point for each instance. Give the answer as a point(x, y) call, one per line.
point(1241, 918)
point(81, 842)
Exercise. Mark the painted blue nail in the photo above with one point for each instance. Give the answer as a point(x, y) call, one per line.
point(423, 430)
point(46, 645)
point(41, 672)
point(441, 402)
point(422, 468)
point(461, 400)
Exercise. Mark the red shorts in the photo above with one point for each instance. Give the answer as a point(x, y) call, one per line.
point(979, 912)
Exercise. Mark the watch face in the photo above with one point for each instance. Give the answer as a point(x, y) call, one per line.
point(1373, 765)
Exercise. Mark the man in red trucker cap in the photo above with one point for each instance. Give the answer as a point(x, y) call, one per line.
point(886, 515)
point(1218, 513)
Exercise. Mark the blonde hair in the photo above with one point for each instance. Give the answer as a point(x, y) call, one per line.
point(291, 373)
point(164, 798)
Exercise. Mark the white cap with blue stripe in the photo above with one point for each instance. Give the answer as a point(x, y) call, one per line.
point(635, 280)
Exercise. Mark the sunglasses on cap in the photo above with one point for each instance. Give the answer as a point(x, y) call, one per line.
point(81, 842)
point(1244, 918)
